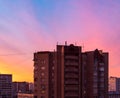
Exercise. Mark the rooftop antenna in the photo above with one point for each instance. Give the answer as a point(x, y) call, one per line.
point(83, 46)
point(65, 43)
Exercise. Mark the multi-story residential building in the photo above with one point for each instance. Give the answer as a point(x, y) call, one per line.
point(114, 85)
point(44, 74)
point(20, 87)
point(5, 86)
point(95, 74)
point(70, 73)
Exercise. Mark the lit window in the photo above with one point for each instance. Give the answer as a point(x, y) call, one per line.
point(102, 69)
point(42, 67)
point(53, 68)
point(42, 91)
point(42, 74)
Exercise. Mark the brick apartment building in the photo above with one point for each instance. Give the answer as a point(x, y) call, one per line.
point(95, 74)
point(44, 74)
point(70, 73)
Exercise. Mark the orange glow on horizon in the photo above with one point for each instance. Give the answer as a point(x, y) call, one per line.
point(17, 75)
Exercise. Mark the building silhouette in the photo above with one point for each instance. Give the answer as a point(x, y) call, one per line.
point(5, 86)
point(70, 73)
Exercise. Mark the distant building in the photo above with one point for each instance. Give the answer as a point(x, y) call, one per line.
point(70, 73)
point(114, 95)
point(5, 86)
point(21, 87)
point(114, 85)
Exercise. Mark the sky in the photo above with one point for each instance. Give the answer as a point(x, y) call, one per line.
point(28, 26)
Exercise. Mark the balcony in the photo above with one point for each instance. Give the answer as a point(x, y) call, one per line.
point(71, 75)
point(71, 57)
point(71, 70)
point(71, 88)
point(71, 63)
point(71, 82)
point(71, 94)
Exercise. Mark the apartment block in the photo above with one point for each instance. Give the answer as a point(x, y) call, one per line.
point(20, 87)
point(44, 74)
point(70, 73)
point(95, 74)
point(5, 86)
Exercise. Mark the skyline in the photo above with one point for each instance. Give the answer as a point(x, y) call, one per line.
point(27, 26)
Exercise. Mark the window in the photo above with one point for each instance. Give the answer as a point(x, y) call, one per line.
point(42, 80)
point(43, 87)
point(43, 74)
point(43, 91)
point(101, 63)
point(95, 85)
point(95, 90)
point(36, 67)
point(35, 96)
point(101, 74)
point(43, 67)
point(101, 69)
point(42, 96)
point(42, 61)
point(53, 68)
point(95, 73)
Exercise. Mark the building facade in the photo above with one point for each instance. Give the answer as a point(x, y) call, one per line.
point(95, 74)
point(70, 73)
point(44, 74)
point(5, 86)
point(114, 85)
point(20, 87)
point(114, 95)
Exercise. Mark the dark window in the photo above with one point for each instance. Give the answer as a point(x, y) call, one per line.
point(35, 96)
point(42, 96)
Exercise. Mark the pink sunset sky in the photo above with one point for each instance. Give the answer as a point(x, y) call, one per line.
point(27, 26)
